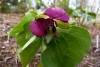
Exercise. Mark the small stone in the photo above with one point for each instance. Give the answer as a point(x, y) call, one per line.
point(3, 47)
point(97, 52)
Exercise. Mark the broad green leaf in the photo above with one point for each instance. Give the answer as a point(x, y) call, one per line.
point(62, 24)
point(23, 36)
point(40, 65)
point(21, 39)
point(21, 30)
point(42, 16)
point(67, 49)
point(28, 18)
point(73, 22)
point(29, 50)
point(27, 47)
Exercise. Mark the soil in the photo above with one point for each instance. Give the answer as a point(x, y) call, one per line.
point(8, 49)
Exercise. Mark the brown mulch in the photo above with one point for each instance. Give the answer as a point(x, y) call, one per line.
point(8, 49)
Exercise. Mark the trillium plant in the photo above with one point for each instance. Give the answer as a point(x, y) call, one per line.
point(61, 44)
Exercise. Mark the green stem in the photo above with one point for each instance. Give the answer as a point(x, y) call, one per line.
point(43, 47)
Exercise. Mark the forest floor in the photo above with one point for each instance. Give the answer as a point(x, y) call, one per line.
point(8, 49)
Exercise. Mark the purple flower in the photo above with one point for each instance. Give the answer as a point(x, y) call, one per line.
point(41, 26)
point(57, 13)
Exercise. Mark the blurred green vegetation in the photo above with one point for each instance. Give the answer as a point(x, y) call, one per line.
point(78, 15)
point(81, 16)
point(7, 6)
point(63, 4)
point(21, 6)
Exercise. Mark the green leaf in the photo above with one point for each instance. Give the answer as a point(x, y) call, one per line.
point(42, 16)
point(21, 30)
point(29, 50)
point(62, 24)
point(40, 65)
point(28, 18)
point(67, 49)
point(21, 39)
point(27, 47)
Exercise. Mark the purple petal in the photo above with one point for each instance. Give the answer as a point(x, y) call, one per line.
point(57, 13)
point(38, 28)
